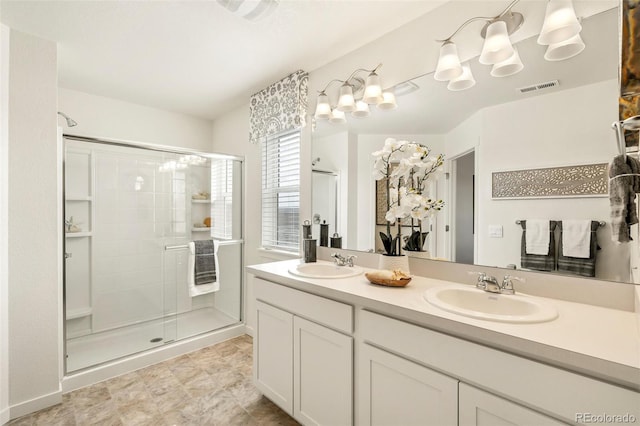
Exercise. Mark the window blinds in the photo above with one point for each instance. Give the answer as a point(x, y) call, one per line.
point(281, 191)
point(221, 198)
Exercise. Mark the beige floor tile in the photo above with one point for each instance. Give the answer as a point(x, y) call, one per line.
point(140, 413)
point(104, 414)
point(60, 414)
point(29, 420)
point(211, 386)
point(88, 397)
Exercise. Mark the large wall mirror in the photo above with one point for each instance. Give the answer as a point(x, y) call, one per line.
point(496, 126)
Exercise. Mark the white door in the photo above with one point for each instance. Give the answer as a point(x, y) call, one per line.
point(394, 391)
point(323, 375)
point(273, 355)
point(484, 409)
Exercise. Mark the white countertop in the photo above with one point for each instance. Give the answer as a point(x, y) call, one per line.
point(599, 342)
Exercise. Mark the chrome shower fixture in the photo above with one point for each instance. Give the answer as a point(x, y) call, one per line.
point(70, 121)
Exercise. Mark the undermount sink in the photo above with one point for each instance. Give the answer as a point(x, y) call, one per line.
point(324, 270)
point(475, 303)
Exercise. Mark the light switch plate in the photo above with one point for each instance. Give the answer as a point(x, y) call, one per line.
point(495, 231)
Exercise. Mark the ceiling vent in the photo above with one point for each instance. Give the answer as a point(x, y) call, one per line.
point(538, 86)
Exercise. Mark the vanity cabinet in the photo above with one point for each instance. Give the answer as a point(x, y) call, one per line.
point(396, 391)
point(303, 354)
point(273, 357)
point(515, 390)
point(480, 408)
point(407, 373)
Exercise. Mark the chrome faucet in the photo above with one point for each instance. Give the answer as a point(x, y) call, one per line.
point(507, 284)
point(490, 284)
point(343, 260)
point(487, 283)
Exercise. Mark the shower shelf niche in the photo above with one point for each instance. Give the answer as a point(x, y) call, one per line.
point(77, 234)
point(200, 229)
point(78, 313)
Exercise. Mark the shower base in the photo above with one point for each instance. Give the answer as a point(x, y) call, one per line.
point(94, 349)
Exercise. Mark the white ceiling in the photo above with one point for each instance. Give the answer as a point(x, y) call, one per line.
point(196, 57)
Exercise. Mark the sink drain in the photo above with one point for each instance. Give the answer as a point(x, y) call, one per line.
point(156, 340)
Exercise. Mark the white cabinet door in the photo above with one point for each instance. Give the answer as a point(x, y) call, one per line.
point(484, 409)
point(273, 355)
point(323, 375)
point(394, 391)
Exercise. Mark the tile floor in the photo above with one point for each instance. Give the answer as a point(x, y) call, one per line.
point(211, 386)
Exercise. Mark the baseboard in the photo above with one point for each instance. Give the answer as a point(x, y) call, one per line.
point(4, 416)
point(112, 369)
point(248, 330)
point(36, 404)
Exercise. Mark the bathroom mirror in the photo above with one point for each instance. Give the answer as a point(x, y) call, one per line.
point(550, 116)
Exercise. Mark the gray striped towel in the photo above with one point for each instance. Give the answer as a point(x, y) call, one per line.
point(585, 267)
point(205, 262)
point(538, 262)
point(622, 195)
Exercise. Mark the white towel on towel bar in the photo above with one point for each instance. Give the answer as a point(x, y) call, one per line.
point(576, 238)
point(197, 290)
point(537, 236)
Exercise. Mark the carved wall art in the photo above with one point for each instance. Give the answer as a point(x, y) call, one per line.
point(569, 181)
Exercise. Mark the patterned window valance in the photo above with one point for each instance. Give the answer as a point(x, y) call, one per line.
point(280, 107)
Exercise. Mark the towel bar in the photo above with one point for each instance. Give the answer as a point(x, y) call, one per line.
point(220, 242)
point(601, 223)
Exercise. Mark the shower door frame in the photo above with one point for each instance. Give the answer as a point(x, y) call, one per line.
point(156, 148)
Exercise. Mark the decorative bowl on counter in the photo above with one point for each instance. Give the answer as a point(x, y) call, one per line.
point(396, 278)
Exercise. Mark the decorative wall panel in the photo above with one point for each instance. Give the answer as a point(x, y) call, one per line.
point(569, 181)
point(280, 107)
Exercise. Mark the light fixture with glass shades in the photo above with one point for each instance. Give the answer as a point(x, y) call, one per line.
point(560, 31)
point(355, 96)
point(464, 81)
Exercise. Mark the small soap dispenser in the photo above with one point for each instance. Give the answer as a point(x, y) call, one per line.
point(306, 230)
point(324, 234)
point(309, 250)
point(336, 241)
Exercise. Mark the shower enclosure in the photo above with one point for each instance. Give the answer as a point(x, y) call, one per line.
point(130, 212)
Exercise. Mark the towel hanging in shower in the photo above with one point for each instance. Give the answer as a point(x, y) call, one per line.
point(203, 268)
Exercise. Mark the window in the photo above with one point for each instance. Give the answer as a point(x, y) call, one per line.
point(281, 192)
point(222, 198)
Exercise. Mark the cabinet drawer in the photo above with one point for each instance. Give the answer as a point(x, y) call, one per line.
point(336, 315)
point(518, 379)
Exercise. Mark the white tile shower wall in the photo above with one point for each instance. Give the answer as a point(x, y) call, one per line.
point(135, 215)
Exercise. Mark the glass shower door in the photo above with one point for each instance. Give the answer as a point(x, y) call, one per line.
point(130, 216)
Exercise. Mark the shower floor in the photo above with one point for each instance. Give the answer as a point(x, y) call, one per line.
point(86, 351)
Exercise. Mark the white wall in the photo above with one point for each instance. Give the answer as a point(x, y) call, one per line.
point(4, 224)
point(115, 119)
point(573, 119)
point(231, 136)
point(34, 258)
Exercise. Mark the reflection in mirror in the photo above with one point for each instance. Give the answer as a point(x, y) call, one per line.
point(325, 200)
point(496, 126)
